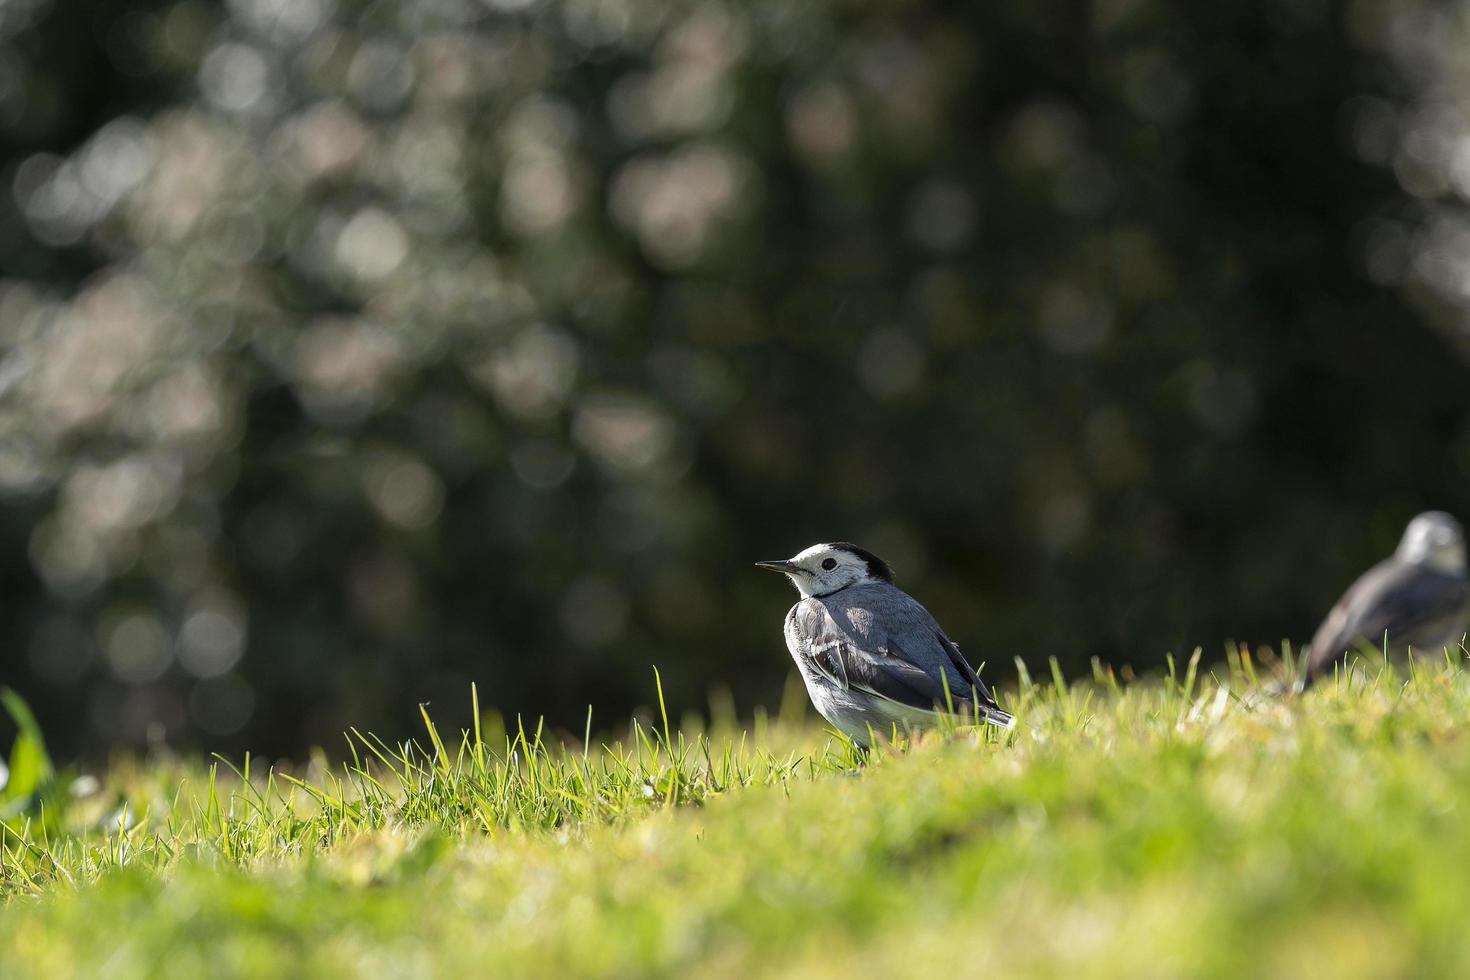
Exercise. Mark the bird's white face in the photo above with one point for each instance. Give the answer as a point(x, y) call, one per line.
point(1434, 539)
point(823, 569)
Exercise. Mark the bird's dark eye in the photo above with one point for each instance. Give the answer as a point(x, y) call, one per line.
point(829, 563)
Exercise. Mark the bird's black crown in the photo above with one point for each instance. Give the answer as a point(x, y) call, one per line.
point(877, 567)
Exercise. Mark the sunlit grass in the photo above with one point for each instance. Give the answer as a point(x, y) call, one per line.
point(476, 782)
point(1184, 826)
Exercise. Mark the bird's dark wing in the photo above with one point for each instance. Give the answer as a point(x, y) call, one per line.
point(890, 674)
point(891, 647)
point(1411, 604)
point(958, 660)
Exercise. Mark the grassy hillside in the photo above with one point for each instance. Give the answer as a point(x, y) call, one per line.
point(1186, 827)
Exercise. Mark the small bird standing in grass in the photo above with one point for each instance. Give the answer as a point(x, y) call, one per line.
point(870, 655)
point(1418, 598)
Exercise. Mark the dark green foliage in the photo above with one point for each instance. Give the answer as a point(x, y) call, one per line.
point(442, 341)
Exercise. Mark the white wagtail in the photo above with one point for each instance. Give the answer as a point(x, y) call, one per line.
point(870, 655)
point(1419, 597)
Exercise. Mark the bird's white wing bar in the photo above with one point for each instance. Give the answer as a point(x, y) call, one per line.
point(826, 655)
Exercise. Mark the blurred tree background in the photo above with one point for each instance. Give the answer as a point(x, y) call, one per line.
point(352, 351)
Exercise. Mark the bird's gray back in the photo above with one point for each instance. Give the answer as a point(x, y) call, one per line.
point(1415, 606)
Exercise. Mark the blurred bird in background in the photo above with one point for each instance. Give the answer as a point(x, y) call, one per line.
point(1418, 598)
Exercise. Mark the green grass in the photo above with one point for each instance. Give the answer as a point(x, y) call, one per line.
point(1182, 827)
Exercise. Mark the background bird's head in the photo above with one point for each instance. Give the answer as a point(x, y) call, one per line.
point(826, 568)
point(1435, 539)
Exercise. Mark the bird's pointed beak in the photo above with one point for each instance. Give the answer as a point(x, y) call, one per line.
point(783, 566)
